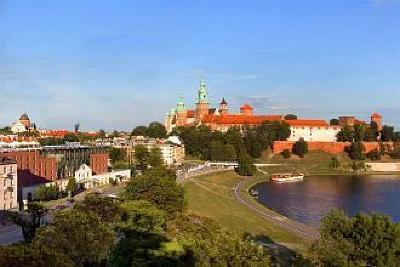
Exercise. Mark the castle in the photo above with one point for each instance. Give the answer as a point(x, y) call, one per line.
point(221, 119)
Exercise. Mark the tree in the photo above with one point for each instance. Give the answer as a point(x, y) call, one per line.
point(141, 215)
point(359, 132)
point(229, 152)
point(142, 156)
point(44, 192)
point(159, 187)
point(70, 137)
point(217, 150)
point(387, 133)
point(357, 151)
point(300, 148)
point(334, 122)
point(116, 154)
point(374, 131)
point(334, 163)
point(286, 154)
point(104, 207)
point(82, 236)
point(246, 166)
point(364, 240)
point(290, 117)
point(210, 245)
point(71, 186)
point(29, 224)
point(139, 131)
point(396, 137)
point(346, 134)
point(156, 130)
point(101, 134)
point(155, 157)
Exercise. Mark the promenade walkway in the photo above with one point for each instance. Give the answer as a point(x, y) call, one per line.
point(297, 228)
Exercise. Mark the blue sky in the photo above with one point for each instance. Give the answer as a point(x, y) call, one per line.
point(117, 64)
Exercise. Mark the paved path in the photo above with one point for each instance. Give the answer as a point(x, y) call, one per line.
point(297, 228)
point(10, 234)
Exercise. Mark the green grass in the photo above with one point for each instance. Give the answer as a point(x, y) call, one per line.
point(314, 163)
point(212, 196)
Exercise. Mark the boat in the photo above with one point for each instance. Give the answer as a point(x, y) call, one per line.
point(287, 177)
point(254, 193)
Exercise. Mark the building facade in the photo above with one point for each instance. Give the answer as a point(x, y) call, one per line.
point(8, 184)
point(172, 150)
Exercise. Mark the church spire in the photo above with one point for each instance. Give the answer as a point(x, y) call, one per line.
point(202, 96)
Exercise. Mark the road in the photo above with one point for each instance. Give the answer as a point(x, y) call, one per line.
point(10, 234)
point(297, 228)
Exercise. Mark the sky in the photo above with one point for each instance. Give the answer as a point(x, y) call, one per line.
point(118, 64)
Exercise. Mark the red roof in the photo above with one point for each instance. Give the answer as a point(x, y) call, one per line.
point(306, 122)
point(190, 113)
point(239, 119)
point(55, 133)
point(246, 106)
point(359, 122)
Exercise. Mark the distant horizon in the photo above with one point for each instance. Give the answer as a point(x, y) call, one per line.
point(116, 65)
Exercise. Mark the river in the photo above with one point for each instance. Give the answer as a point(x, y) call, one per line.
point(310, 200)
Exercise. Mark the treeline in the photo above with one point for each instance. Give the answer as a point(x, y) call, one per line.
point(203, 143)
point(148, 227)
point(362, 240)
point(153, 130)
point(366, 133)
point(69, 137)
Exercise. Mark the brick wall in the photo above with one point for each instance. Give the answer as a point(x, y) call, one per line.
point(99, 162)
point(32, 167)
point(329, 147)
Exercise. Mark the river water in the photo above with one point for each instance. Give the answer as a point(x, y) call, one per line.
point(310, 200)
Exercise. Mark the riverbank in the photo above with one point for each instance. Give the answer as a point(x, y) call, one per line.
point(222, 197)
point(318, 163)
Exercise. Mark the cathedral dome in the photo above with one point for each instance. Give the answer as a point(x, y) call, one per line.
point(24, 117)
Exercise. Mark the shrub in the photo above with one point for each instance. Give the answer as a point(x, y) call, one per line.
point(286, 153)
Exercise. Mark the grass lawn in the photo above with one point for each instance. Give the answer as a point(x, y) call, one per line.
point(212, 196)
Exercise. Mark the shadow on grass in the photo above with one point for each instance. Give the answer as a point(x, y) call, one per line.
point(146, 249)
point(280, 254)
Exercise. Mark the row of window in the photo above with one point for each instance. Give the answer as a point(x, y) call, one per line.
point(316, 128)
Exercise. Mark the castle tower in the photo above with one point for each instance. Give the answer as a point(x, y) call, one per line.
point(246, 109)
point(223, 107)
point(377, 118)
point(181, 114)
point(202, 102)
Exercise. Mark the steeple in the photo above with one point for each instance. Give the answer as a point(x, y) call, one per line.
point(180, 105)
point(202, 96)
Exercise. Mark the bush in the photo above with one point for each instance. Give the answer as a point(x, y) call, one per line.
point(374, 155)
point(334, 164)
point(395, 154)
point(300, 148)
point(286, 153)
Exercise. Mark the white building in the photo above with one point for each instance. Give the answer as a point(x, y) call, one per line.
point(83, 175)
point(312, 130)
point(18, 127)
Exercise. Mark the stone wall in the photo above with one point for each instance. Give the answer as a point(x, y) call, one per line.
point(329, 147)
